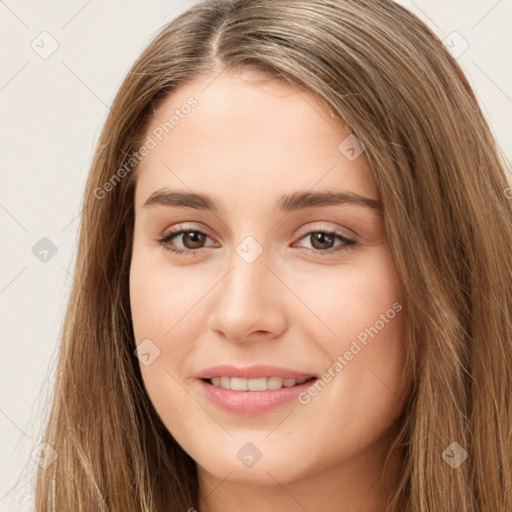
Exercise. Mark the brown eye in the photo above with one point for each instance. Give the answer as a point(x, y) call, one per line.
point(321, 240)
point(193, 239)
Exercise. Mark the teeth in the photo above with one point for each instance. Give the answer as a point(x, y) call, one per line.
point(274, 383)
point(260, 384)
point(238, 384)
point(257, 384)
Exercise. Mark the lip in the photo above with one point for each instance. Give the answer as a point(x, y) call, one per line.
point(252, 372)
point(251, 402)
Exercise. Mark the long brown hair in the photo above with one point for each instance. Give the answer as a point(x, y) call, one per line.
point(448, 216)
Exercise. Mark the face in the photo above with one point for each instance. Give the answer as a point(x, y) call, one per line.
point(270, 323)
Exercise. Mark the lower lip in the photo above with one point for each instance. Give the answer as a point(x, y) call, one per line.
point(252, 402)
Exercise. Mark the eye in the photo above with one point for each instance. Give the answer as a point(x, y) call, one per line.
point(193, 238)
point(322, 238)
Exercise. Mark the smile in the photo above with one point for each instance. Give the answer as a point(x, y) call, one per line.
point(252, 397)
point(259, 384)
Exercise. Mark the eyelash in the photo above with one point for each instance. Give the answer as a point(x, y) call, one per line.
point(347, 242)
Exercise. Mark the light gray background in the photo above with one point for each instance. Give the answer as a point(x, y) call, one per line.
point(52, 111)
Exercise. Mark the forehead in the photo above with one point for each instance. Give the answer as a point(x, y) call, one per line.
point(247, 137)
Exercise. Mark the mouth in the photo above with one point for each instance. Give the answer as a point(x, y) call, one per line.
point(253, 390)
point(253, 396)
point(257, 384)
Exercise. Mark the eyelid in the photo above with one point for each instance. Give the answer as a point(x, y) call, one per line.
point(186, 226)
point(178, 230)
point(320, 226)
point(314, 226)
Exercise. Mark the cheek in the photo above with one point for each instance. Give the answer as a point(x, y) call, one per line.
point(164, 300)
point(166, 309)
point(357, 301)
point(161, 310)
point(362, 335)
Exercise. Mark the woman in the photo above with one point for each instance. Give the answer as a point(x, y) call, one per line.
point(294, 286)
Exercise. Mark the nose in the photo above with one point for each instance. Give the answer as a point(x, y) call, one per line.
point(249, 304)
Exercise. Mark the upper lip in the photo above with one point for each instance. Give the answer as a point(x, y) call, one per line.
point(252, 372)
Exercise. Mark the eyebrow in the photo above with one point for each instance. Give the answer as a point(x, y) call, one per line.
point(286, 203)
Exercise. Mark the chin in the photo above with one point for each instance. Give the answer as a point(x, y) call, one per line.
point(266, 471)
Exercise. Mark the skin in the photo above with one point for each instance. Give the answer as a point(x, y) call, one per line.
point(248, 141)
